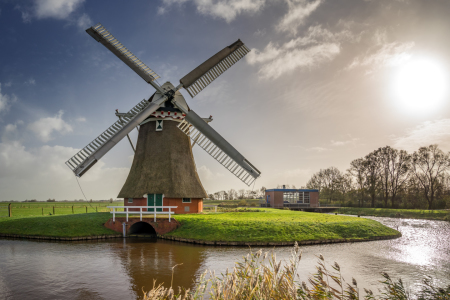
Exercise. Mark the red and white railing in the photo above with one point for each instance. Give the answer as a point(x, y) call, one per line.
point(145, 212)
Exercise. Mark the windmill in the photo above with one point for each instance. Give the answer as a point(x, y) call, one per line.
point(163, 168)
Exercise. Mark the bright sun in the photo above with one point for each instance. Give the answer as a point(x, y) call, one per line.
point(421, 85)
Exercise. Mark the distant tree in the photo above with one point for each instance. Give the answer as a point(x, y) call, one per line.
point(232, 194)
point(372, 171)
point(358, 171)
point(262, 190)
point(428, 165)
point(241, 194)
point(394, 166)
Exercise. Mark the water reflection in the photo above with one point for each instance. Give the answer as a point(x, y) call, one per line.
point(119, 269)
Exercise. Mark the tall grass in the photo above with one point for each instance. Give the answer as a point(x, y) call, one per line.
point(259, 276)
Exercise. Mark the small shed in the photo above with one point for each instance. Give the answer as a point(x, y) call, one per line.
point(291, 198)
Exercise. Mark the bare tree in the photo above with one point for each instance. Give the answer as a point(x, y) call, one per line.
point(358, 171)
point(428, 165)
point(394, 171)
point(372, 166)
point(232, 194)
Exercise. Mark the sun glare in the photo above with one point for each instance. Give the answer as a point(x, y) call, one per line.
point(421, 85)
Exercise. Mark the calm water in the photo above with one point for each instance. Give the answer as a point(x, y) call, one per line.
point(119, 269)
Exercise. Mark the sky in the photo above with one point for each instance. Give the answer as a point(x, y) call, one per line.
point(326, 82)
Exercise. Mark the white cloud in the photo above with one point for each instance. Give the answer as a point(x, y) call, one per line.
point(6, 100)
point(50, 177)
point(351, 141)
point(388, 54)
point(206, 174)
point(425, 134)
point(80, 119)
point(84, 21)
point(224, 9)
point(45, 127)
point(30, 81)
point(299, 10)
point(8, 84)
point(58, 9)
point(279, 60)
point(317, 46)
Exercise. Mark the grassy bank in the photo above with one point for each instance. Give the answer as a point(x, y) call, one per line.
point(78, 225)
point(26, 209)
point(443, 215)
point(272, 225)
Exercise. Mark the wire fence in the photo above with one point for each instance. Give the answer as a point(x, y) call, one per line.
point(4, 211)
point(46, 209)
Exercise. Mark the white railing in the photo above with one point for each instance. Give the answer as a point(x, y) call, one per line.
point(140, 212)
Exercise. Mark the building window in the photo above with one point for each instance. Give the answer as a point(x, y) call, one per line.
point(306, 197)
point(186, 200)
point(130, 200)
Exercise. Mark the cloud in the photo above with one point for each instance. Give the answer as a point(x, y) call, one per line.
point(45, 127)
point(6, 100)
point(224, 9)
point(8, 84)
point(58, 9)
point(351, 141)
point(80, 119)
point(387, 54)
point(84, 21)
point(50, 177)
point(425, 134)
point(299, 10)
point(279, 60)
point(206, 174)
point(317, 46)
point(314, 149)
point(30, 81)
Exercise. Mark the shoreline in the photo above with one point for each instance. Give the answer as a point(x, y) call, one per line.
point(198, 242)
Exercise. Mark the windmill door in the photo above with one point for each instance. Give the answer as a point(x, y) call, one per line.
point(154, 200)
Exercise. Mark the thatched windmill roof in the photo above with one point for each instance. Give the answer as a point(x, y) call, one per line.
point(163, 164)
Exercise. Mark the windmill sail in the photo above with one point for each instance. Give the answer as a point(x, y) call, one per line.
point(207, 72)
point(89, 155)
point(100, 34)
point(216, 146)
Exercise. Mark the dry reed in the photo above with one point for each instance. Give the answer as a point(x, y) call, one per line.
point(261, 277)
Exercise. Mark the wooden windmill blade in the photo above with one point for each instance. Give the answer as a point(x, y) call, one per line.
point(207, 72)
point(215, 145)
point(89, 155)
point(100, 34)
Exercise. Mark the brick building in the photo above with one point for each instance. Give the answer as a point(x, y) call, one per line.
point(291, 198)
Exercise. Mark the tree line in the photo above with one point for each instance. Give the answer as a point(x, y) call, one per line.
point(388, 177)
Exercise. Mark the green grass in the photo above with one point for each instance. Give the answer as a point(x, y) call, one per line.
point(276, 226)
point(90, 224)
point(398, 213)
point(229, 202)
point(26, 209)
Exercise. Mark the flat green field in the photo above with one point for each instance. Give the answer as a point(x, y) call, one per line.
point(443, 215)
point(25, 209)
point(273, 225)
point(90, 224)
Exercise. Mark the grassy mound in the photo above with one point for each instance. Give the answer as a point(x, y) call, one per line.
point(90, 224)
point(275, 225)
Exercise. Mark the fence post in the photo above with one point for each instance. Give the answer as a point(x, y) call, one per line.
point(53, 210)
point(42, 211)
point(96, 210)
point(9, 210)
point(72, 208)
point(86, 209)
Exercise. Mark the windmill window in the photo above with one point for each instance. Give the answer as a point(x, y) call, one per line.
point(186, 200)
point(130, 200)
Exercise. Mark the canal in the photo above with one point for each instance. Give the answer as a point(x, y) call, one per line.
point(121, 268)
